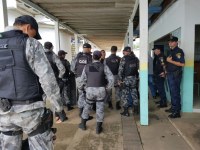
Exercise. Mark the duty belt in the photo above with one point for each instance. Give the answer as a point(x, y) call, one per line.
point(11, 133)
point(25, 102)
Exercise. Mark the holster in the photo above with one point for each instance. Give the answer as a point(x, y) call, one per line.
point(5, 104)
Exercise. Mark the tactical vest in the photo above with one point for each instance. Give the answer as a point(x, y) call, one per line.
point(82, 60)
point(130, 68)
point(113, 62)
point(17, 80)
point(95, 75)
point(49, 55)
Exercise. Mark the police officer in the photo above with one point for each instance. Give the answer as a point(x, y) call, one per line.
point(77, 66)
point(24, 74)
point(128, 70)
point(113, 64)
point(159, 74)
point(93, 77)
point(175, 62)
point(65, 88)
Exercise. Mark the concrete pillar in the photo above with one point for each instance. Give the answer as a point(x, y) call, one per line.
point(130, 31)
point(57, 36)
point(3, 15)
point(143, 7)
point(126, 40)
point(76, 43)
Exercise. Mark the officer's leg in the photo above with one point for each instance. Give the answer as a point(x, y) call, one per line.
point(177, 93)
point(109, 98)
point(161, 90)
point(10, 142)
point(100, 116)
point(125, 92)
point(172, 90)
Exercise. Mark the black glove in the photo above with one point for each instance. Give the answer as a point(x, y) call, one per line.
point(62, 115)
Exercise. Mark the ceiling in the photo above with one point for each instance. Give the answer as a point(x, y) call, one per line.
point(103, 22)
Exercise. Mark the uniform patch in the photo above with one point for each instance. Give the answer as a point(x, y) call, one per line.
point(178, 55)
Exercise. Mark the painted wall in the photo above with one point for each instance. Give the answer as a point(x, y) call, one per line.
point(182, 14)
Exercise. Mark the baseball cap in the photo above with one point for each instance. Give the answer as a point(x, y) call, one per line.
point(127, 49)
point(61, 52)
point(173, 39)
point(156, 47)
point(29, 20)
point(86, 45)
point(97, 53)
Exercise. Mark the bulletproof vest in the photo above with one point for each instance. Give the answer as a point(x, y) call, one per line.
point(49, 55)
point(17, 80)
point(95, 75)
point(113, 63)
point(130, 68)
point(82, 60)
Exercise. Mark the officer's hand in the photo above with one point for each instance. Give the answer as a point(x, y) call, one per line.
point(169, 59)
point(60, 116)
point(162, 74)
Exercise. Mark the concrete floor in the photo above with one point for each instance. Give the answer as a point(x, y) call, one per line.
point(121, 133)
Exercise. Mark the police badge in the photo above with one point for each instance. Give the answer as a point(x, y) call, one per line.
point(178, 55)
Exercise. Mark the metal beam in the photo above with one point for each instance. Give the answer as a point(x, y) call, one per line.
point(154, 9)
point(130, 31)
point(48, 15)
point(57, 35)
point(134, 9)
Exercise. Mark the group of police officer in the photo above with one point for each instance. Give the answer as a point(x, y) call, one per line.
point(28, 70)
point(169, 68)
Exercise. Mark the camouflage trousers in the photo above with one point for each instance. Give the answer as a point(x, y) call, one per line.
point(129, 86)
point(26, 121)
point(64, 95)
point(117, 91)
point(81, 94)
point(95, 95)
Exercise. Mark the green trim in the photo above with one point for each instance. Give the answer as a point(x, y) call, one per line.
point(144, 119)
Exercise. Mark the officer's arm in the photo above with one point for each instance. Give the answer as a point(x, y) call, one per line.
point(73, 64)
point(180, 64)
point(40, 65)
point(121, 69)
point(83, 80)
point(109, 77)
point(60, 66)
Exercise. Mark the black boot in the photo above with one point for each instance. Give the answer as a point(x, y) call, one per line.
point(82, 125)
point(175, 115)
point(99, 128)
point(94, 106)
point(136, 109)
point(110, 105)
point(118, 107)
point(69, 107)
point(80, 111)
point(125, 112)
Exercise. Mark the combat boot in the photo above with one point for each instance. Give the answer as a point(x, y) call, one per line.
point(136, 109)
point(110, 105)
point(118, 107)
point(69, 107)
point(125, 112)
point(99, 128)
point(82, 125)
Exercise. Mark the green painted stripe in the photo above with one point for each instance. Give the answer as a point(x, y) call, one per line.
point(187, 89)
point(144, 119)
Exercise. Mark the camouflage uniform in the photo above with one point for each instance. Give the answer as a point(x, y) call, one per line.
point(81, 93)
point(96, 94)
point(27, 117)
point(128, 86)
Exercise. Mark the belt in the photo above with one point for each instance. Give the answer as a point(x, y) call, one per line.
point(25, 102)
point(11, 133)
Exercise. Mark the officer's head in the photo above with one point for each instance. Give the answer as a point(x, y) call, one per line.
point(86, 48)
point(173, 42)
point(113, 49)
point(156, 50)
point(28, 25)
point(61, 54)
point(127, 50)
point(96, 55)
point(48, 45)
point(103, 54)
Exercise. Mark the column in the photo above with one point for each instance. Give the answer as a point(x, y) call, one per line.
point(3, 15)
point(57, 36)
point(76, 43)
point(143, 6)
point(130, 31)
